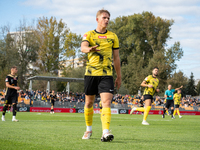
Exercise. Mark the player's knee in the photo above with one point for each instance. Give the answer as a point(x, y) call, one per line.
point(88, 104)
point(106, 103)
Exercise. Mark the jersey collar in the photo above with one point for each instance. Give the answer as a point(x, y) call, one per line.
point(99, 32)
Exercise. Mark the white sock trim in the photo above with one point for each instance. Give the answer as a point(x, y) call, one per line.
point(89, 128)
point(105, 131)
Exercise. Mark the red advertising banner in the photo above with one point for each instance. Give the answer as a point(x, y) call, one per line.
point(160, 112)
point(1, 108)
point(56, 110)
point(97, 111)
point(113, 111)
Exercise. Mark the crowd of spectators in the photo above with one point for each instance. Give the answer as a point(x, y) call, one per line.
point(39, 95)
point(157, 101)
point(79, 98)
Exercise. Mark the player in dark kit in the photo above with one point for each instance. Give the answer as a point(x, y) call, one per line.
point(53, 97)
point(11, 96)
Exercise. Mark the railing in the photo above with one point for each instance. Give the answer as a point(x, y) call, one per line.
point(61, 104)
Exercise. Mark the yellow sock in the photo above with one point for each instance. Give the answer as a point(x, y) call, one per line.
point(178, 112)
point(167, 112)
point(174, 112)
point(140, 109)
point(146, 112)
point(88, 112)
point(106, 118)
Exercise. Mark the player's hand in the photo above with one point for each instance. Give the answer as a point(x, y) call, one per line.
point(170, 96)
point(93, 49)
point(181, 87)
point(17, 88)
point(150, 86)
point(118, 83)
point(157, 90)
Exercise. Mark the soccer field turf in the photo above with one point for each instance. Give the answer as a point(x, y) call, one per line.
point(65, 131)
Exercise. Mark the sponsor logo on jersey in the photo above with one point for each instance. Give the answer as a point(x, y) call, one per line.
point(6, 80)
point(146, 78)
point(84, 36)
point(102, 37)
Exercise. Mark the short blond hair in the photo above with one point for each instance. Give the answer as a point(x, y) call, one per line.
point(102, 11)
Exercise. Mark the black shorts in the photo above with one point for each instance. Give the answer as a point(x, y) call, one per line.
point(169, 103)
point(177, 106)
point(148, 97)
point(94, 85)
point(11, 99)
point(52, 102)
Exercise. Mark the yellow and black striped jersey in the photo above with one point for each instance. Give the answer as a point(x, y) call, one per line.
point(100, 63)
point(150, 80)
point(177, 99)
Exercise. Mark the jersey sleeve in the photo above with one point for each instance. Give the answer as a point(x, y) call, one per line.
point(86, 37)
point(116, 43)
point(173, 90)
point(166, 93)
point(7, 79)
point(147, 79)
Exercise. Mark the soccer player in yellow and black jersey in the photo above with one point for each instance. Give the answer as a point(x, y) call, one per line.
point(100, 45)
point(150, 83)
point(177, 101)
point(11, 95)
point(53, 97)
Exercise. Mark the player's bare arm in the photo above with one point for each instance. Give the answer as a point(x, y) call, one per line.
point(144, 84)
point(116, 61)
point(86, 49)
point(179, 88)
point(12, 87)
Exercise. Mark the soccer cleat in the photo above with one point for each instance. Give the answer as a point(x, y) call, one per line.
point(107, 137)
point(180, 116)
point(87, 135)
point(163, 116)
point(144, 122)
point(15, 120)
point(3, 118)
point(132, 110)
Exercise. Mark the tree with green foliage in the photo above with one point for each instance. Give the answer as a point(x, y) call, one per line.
point(143, 46)
point(190, 88)
point(176, 80)
point(19, 48)
point(50, 35)
point(198, 88)
point(72, 45)
point(27, 47)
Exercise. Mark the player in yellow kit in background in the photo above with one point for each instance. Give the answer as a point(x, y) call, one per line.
point(150, 83)
point(177, 101)
point(100, 45)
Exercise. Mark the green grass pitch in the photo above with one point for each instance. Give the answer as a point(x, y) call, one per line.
point(61, 131)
